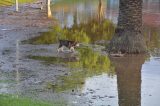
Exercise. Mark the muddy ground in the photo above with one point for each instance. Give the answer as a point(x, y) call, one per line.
point(31, 76)
point(21, 75)
point(26, 76)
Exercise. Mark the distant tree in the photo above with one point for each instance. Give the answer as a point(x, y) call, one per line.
point(100, 10)
point(49, 13)
point(16, 1)
point(128, 36)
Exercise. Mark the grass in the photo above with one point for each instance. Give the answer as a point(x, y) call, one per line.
point(10, 100)
point(12, 2)
point(85, 33)
point(48, 59)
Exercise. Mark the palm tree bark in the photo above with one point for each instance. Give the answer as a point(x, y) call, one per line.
point(128, 36)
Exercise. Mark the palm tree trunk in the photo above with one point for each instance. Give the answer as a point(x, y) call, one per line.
point(128, 34)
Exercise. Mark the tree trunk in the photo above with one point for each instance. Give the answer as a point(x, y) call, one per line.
point(128, 36)
point(100, 11)
point(49, 13)
point(16, 5)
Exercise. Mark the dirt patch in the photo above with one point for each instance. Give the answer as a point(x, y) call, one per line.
point(29, 15)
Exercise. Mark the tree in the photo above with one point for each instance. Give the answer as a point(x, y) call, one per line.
point(16, 5)
point(128, 36)
point(100, 11)
point(49, 13)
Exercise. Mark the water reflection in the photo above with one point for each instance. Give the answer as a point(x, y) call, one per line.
point(90, 63)
point(128, 70)
point(85, 10)
point(91, 70)
point(150, 82)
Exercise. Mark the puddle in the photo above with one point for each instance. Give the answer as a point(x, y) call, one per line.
point(88, 77)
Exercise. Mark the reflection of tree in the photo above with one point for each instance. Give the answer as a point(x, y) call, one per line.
point(128, 71)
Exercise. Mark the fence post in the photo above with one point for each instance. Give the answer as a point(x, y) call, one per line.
point(16, 5)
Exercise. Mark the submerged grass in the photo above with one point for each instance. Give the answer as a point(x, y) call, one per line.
point(87, 64)
point(91, 64)
point(9, 100)
point(47, 59)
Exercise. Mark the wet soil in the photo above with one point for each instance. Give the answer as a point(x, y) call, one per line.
point(25, 76)
point(24, 70)
point(21, 73)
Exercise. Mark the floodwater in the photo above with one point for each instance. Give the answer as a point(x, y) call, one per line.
point(92, 78)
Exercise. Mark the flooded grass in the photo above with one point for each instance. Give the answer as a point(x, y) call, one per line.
point(44, 38)
point(76, 79)
point(7, 81)
point(87, 59)
point(47, 59)
point(90, 73)
point(87, 64)
point(54, 60)
point(90, 63)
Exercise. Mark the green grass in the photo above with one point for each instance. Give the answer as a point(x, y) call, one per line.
point(12, 2)
point(9, 100)
point(85, 33)
point(26, 1)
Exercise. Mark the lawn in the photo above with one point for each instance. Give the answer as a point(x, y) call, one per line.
point(10, 100)
point(12, 2)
